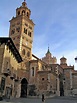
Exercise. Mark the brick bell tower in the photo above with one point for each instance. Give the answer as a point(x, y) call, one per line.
point(21, 31)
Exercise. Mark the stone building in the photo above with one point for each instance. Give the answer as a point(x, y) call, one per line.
point(74, 83)
point(9, 62)
point(45, 77)
point(22, 73)
point(70, 83)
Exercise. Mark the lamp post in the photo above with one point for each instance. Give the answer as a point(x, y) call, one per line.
point(75, 59)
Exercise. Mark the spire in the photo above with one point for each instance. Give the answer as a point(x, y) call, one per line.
point(48, 50)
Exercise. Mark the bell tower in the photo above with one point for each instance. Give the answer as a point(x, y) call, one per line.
point(21, 31)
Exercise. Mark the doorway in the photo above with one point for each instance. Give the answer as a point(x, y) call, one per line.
point(24, 84)
point(61, 89)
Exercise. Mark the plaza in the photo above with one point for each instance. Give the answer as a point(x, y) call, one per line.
point(38, 100)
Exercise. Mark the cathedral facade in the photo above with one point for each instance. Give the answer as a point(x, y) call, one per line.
point(22, 73)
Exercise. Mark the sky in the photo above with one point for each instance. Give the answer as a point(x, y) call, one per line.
point(55, 26)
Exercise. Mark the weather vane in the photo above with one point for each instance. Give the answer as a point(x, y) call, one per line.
point(24, 0)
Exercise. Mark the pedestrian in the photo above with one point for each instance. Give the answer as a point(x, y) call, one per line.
point(43, 98)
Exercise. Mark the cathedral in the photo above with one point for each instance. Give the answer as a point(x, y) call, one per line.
point(23, 74)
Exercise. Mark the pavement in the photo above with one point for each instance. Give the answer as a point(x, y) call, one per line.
point(38, 100)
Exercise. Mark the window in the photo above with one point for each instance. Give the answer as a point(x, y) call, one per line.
point(18, 29)
point(27, 14)
point(13, 31)
point(18, 12)
point(32, 71)
point(23, 12)
point(29, 33)
point(28, 54)
point(25, 31)
point(23, 51)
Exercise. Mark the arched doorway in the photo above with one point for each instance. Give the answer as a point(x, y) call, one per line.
point(24, 84)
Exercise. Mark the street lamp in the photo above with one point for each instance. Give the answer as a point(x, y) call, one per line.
point(76, 59)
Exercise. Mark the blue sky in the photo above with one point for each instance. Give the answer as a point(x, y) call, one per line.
point(55, 24)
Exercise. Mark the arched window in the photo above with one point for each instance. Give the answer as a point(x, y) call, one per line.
point(29, 33)
point(18, 12)
point(27, 14)
point(25, 31)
